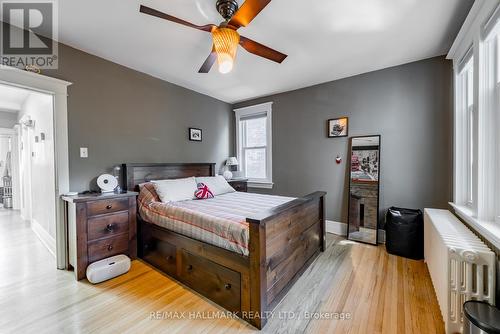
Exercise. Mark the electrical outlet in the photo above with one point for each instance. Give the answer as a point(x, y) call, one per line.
point(84, 152)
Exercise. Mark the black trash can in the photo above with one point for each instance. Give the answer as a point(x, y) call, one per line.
point(481, 317)
point(404, 233)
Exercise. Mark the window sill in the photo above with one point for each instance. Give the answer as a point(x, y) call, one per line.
point(490, 230)
point(260, 184)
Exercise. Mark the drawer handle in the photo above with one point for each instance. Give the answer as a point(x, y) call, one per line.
point(190, 267)
point(109, 207)
point(170, 258)
point(228, 286)
point(110, 247)
point(110, 227)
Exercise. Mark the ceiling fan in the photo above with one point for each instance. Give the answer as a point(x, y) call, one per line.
point(225, 36)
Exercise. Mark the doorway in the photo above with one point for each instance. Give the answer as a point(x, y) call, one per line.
point(27, 119)
point(58, 90)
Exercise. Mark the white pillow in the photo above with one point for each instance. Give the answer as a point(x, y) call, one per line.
point(217, 184)
point(175, 189)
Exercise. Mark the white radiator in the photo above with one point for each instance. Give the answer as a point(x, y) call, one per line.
point(461, 266)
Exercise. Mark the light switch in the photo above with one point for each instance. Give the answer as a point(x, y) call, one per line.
point(84, 152)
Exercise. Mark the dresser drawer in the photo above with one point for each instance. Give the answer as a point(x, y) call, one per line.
point(218, 283)
point(107, 226)
point(101, 249)
point(239, 185)
point(107, 206)
point(162, 254)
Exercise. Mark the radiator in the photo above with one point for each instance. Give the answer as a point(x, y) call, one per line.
point(461, 266)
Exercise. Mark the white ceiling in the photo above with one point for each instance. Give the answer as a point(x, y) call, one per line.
point(12, 98)
point(325, 39)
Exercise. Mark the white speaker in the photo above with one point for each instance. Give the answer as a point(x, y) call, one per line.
point(111, 267)
point(107, 183)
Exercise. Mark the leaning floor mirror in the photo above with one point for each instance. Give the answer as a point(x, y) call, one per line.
point(364, 181)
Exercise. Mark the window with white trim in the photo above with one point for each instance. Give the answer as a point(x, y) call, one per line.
point(490, 82)
point(466, 122)
point(254, 144)
point(476, 56)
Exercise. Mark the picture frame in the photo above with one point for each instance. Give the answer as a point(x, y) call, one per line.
point(338, 127)
point(195, 134)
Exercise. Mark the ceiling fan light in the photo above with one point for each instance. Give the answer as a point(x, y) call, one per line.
point(225, 63)
point(226, 42)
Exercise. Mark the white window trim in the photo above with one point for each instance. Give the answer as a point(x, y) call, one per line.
point(482, 215)
point(490, 230)
point(266, 108)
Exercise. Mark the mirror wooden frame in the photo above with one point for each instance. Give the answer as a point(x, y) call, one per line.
point(378, 189)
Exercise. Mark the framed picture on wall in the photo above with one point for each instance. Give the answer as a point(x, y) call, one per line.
point(338, 127)
point(195, 134)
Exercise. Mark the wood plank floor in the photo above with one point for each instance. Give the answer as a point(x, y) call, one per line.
point(362, 287)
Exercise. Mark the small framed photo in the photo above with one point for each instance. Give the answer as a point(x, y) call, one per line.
point(195, 134)
point(338, 127)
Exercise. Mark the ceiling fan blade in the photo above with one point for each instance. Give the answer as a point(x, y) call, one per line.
point(261, 50)
point(209, 62)
point(247, 12)
point(161, 15)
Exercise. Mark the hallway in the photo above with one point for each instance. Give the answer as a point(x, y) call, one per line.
point(25, 263)
point(22, 253)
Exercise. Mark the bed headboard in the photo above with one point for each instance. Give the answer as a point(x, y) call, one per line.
point(135, 174)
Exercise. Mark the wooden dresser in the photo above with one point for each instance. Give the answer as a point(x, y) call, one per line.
point(100, 226)
point(239, 184)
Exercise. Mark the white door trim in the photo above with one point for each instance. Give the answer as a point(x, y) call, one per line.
point(59, 90)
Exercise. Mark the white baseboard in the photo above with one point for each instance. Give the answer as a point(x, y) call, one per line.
point(339, 228)
point(47, 240)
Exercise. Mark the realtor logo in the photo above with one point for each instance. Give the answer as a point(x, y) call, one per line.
point(29, 32)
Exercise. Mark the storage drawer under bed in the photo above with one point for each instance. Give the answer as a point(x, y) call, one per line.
point(162, 255)
point(217, 282)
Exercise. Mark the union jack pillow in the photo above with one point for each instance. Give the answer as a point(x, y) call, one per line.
point(203, 192)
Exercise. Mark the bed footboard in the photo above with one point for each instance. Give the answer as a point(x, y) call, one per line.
point(283, 242)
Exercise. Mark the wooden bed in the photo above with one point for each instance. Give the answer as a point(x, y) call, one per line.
point(283, 242)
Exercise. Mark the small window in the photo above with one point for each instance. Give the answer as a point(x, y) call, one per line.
point(254, 144)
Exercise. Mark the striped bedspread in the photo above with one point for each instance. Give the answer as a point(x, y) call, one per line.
point(220, 221)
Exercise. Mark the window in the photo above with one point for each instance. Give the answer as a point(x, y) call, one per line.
point(254, 144)
point(466, 108)
point(490, 82)
point(466, 139)
point(497, 108)
point(476, 60)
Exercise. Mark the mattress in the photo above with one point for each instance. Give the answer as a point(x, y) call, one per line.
point(219, 221)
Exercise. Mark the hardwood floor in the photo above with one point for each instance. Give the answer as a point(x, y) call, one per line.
point(377, 292)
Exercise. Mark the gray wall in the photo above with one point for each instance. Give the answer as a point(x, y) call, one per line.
point(410, 106)
point(8, 119)
point(122, 115)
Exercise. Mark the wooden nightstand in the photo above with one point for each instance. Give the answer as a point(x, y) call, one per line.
point(100, 226)
point(239, 184)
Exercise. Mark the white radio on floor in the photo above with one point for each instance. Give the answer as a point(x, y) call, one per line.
point(111, 267)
